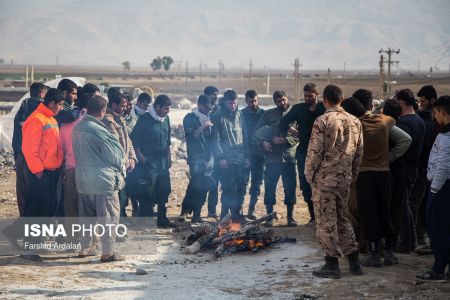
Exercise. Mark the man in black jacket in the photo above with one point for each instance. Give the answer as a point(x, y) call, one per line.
point(252, 115)
point(198, 129)
point(37, 94)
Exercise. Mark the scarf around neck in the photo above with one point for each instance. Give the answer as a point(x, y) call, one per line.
point(202, 117)
point(155, 115)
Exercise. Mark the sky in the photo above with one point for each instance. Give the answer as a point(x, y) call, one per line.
point(272, 33)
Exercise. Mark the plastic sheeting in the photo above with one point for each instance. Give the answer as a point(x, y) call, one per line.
point(7, 121)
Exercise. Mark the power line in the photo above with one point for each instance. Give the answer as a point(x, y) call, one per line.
point(389, 62)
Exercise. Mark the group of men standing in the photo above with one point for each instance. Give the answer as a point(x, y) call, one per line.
point(347, 154)
point(80, 155)
point(233, 147)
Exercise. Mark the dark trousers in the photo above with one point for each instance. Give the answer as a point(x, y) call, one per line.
point(160, 191)
point(196, 192)
point(418, 194)
point(41, 198)
point(304, 185)
point(288, 176)
point(407, 234)
point(256, 176)
point(398, 205)
point(134, 206)
point(374, 204)
point(438, 225)
point(123, 202)
point(233, 181)
point(213, 192)
point(21, 182)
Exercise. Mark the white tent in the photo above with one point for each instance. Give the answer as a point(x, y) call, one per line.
point(7, 121)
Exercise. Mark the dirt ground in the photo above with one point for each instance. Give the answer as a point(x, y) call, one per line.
point(282, 271)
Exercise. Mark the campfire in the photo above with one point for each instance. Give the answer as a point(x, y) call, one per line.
point(227, 237)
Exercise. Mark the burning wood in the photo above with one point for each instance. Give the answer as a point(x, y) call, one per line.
point(228, 237)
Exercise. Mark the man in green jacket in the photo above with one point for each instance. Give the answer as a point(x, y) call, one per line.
point(279, 153)
point(99, 175)
point(231, 150)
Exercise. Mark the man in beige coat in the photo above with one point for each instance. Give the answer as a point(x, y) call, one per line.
point(117, 126)
point(332, 163)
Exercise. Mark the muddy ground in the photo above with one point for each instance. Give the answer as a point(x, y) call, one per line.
point(282, 271)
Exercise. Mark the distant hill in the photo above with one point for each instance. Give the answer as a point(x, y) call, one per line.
point(272, 33)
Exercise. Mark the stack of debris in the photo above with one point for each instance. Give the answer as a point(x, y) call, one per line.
point(227, 237)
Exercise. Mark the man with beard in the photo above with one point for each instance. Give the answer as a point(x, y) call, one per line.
point(117, 126)
point(252, 115)
point(231, 150)
point(279, 157)
point(213, 193)
point(69, 88)
point(198, 128)
point(151, 140)
point(304, 114)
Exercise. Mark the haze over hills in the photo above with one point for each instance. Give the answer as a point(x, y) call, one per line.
point(271, 33)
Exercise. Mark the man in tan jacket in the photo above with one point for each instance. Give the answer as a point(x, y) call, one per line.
point(332, 163)
point(117, 126)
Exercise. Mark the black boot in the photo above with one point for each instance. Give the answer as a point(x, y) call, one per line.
point(312, 216)
point(162, 221)
point(353, 263)
point(390, 258)
point(330, 269)
point(372, 259)
point(196, 217)
point(290, 219)
point(251, 214)
point(269, 210)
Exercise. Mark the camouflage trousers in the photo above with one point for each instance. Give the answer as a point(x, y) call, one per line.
point(333, 228)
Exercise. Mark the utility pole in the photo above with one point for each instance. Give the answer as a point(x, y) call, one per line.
point(328, 75)
point(296, 79)
point(381, 76)
point(242, 72)
point(57, 65)
point(32, 74)
point(200, 72)
point(186, 75)
point(220, 70)
point(343, 75)
point(26, 76)
point(268, 84)
point(250, 70)
point(390, 62)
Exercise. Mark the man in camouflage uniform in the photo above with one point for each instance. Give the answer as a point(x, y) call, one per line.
point(332, 163)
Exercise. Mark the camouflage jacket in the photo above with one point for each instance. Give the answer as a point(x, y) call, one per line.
point(267, 129)
point(335, 149)
point(117, 126)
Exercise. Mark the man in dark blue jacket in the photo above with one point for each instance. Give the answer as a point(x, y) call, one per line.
point(198, 129)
